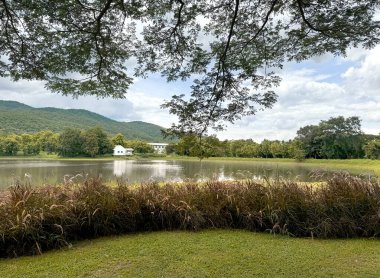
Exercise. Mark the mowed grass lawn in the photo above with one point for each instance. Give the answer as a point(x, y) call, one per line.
point(211, 253)
point(356, 166)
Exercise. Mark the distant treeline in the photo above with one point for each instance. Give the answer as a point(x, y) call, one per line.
point(336, 138)
point(71, 142)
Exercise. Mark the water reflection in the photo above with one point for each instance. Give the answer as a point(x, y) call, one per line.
point(146, 170)
point(121, 167)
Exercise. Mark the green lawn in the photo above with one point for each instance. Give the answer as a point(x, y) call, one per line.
point(214, 253)
point(355, 165)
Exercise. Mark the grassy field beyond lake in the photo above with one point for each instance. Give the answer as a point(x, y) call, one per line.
point(212, 253)
point(356, 165)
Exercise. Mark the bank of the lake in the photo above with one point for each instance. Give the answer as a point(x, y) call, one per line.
point(212, 253)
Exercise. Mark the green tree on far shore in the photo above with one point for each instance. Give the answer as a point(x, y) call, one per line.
point(337, 137)
point(9, 145)
point(372, 149)
point(119, 139)
point(70, 142)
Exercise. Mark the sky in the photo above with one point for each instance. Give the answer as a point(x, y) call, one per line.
point(310, 91)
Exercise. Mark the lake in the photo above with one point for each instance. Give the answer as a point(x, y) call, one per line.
point(56, 171)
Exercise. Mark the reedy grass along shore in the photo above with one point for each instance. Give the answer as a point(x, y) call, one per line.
point(38, 219)
point(207, 253)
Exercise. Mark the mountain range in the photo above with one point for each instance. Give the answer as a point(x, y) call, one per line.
point(16, 117)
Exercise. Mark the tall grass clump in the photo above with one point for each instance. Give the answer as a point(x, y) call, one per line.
point(35, 219)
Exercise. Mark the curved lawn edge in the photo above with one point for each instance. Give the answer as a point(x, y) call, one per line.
point(207, 253)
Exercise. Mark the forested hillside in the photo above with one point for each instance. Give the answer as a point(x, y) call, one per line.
point(16, 117)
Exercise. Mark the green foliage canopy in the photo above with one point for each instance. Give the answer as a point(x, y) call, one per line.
point(372, 149)
point(337, 137)
point(230, 48)
point(91, 142)
point(139, 146)
point(9, 145)
point(70, 142)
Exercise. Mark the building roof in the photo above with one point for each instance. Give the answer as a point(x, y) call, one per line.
point(118, 146)
point(121, 147)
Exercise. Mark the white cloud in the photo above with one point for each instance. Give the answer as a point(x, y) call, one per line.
point(137, 106)
point(147, 108)
point(365, 78)
point(305, 97)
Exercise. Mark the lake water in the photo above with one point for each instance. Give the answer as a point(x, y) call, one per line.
point(56, 171)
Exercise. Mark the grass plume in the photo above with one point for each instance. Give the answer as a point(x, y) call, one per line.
point(35, 219)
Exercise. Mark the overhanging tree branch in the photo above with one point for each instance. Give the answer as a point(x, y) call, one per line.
point(221, 71)
point(300, 6)
point(222, 53)
point(266, 19)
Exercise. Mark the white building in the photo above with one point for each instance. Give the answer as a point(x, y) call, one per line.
point(159, 147)
point(120, 150)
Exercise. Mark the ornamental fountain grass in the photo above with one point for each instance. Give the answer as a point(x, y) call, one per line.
point(36, 219)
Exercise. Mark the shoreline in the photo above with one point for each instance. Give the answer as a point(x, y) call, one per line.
point(356, 165)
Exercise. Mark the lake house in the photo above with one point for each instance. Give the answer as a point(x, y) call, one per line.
point(159, 147)
point(120, 150)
